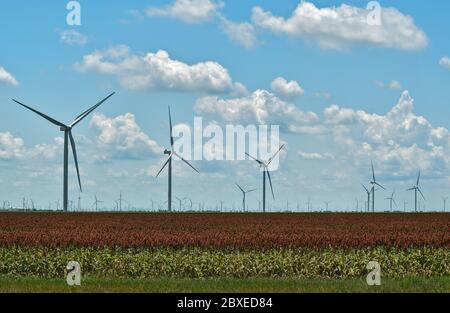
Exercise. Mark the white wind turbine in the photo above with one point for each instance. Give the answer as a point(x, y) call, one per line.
point(170, 154)
point(67, 129)
point(416, 189)
point(244, 194)
point(265, 167)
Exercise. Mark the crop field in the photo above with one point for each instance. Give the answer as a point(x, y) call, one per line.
point(245, 247)
point(277, 230)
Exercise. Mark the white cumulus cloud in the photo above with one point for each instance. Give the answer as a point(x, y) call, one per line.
point(157, 71)
point(241, 33)
point(121, 137)
point(14, 148)
point(71, 37)
point(7, 78)
point(338, 27)
point(445, 62)
point(400, 140)
point(188, 11)
point(287, 90)
point(260, 107)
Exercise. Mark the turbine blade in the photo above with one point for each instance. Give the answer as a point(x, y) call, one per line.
point(80, 117)
point(171, 129)
point(182, 159)
point(373, 171)
point(410, 189)
point(365, 188)
point(165, 164)
point(74, 150)
point(255, 159)
point(48, 118)
point(394, 202)
point(270, 182)
point(418, 179)
point(240, 187)
point(251, 190)
point(278, 151)
point(418, 189)
point(380, 185)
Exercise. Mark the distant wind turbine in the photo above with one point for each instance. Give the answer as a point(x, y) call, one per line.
point(444, 199)
point(265, 167)
point(374, 182)
point(96, 202)
point(368, 197)
point(416, 189)
point(391, 200)
point(119, 202)
point(170, 154)
point(244, 194)
point(67, 129)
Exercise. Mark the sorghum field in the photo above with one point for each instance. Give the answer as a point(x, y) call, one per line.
point(317, 231)
point(241, 246)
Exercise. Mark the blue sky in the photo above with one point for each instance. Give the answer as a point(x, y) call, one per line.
point(346, 76)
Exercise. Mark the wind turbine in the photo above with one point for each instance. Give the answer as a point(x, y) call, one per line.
point(391, 200)
point(368, 197)
point(96, 202)
point(445, 202)
point(374, 182)
point(327, 203)
point(67, 129)
point(180, 202)
point(244, 194)
point(416, 189)
point(119, 202)
point(170, 154)
point(265, 167)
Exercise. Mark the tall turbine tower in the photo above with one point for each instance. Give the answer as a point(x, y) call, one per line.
point(374, 182)
point(244, 194)
point(445, 202)
point(266, 172)
point(170, 154)
point(67, 129)
point(416, 189)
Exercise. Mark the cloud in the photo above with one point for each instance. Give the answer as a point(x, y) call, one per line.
point(157, 71)
point(7, 78)
point(393, 84)
point(315, 155)
point(241, 33)
point(260, 107)
point(445, 62)
point(286, 90)
point(121, 138)
point(11, 147)
point(339, 27)
point(14, 148)
point(400, 141)
point(188, 11)
point(71, 37)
